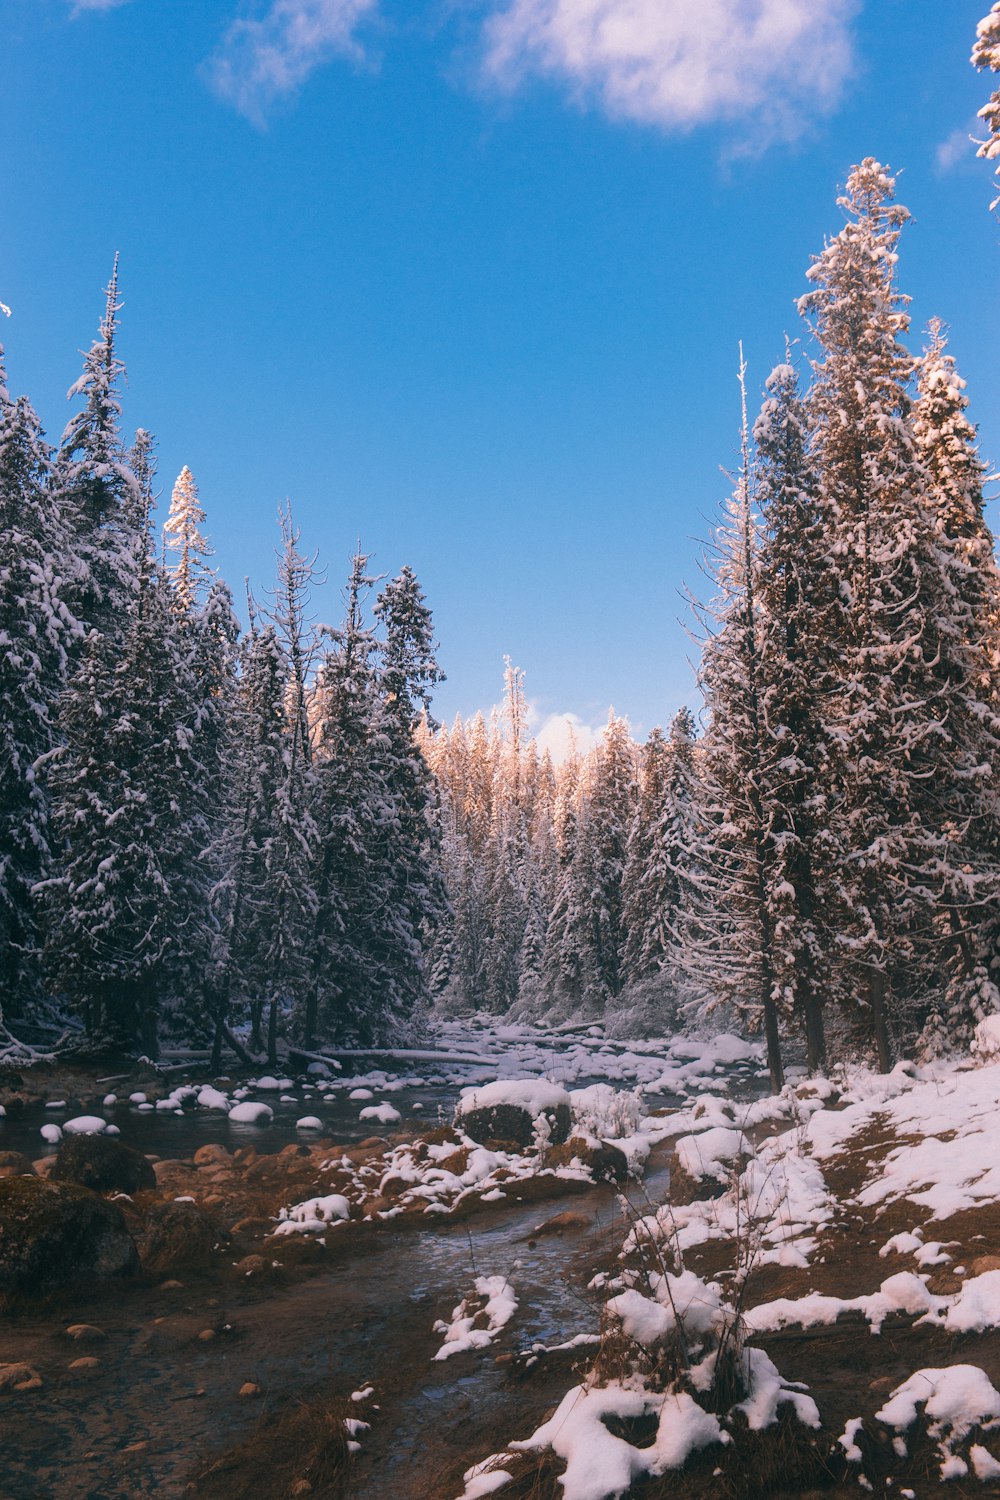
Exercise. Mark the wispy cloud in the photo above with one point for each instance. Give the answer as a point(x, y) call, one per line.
point(260, 62)
point(956, 149)
point(763, 65)
point(78, 6)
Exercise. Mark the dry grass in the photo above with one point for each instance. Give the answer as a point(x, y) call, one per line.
point(304, 1441)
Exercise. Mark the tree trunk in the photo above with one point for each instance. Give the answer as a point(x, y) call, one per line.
point(272, 1033)
point(880, 1025)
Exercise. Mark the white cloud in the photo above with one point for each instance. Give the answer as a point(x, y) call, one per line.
point(762, 64)
point(262, 61)
point(956, 149)
point(82, 5)
point(557, 734)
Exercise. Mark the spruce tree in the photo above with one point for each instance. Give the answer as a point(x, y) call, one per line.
point(732, 940)
point(964, 637)
point(986, 54)
point(95, 485)
point(799, 612)
point(36, 629)
point(892, 710)
point(183, 537)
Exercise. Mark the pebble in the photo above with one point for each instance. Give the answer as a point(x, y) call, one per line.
point(87, 1333)
point(206, 1334)
point(248, 1388)
point(19, 1377)
point(85, 1362)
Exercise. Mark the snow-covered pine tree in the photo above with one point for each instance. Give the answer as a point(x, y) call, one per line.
point(566, 972)
point(890, 719)
point(799, 616)
point(183, 537)
point(646, 891)
point(408, 672)
point(289, 896)
point(730, 944)
point(964, 640)
point(367, 974)
point(96, 489)
point(35, 630)
point(125, 908)
point(986, 54)
point(258, 735)
point(601, 855)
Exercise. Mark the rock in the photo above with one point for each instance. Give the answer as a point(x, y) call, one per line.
point(206, 1335)
point(606, 1163)
point(85, 1362)
point(245, 1156)
point(43, 1166)
point(560, 1222)
point(14, 1164)
point(175, 1235)
point(85, 1333)
point(170, 1286)
point(52, 1234)
point(301, 1487)
point(984, 1263)
point(253, 1265)
point(212, 1155)
point(19, 1377)
point(249, 1389)
point(105, 1166)
point(514, 1125)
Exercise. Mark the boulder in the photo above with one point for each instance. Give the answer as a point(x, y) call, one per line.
point(102, 1164)
point(515, 1112)
point(605, 1163)
point(513, 1124)
point(14, 1164)
point(212, 1155)
point(53, 1234)
point(175, 1236)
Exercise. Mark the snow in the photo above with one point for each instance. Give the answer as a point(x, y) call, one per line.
point(314, 1216)
point(51, 1134)
point(385, 1114)
point(309, 1122)
point(250, 1113)
point(210, 1098)
point(494, 1297)
point(598, 1464)
point(535, 1095)
point(86, 1125)
point(954, 1400)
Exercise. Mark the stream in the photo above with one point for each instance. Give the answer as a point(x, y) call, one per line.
point(164, 1395)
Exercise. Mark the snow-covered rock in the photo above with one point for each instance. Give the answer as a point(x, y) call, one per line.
point(248, 1112)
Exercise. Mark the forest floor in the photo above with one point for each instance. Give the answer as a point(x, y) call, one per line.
point(858, 1227)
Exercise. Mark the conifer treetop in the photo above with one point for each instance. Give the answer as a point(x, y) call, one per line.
point(184, 537)
point(986, 54)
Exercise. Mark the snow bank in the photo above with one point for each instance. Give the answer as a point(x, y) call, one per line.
point(314, 1216)
point(494, 1297)
point(955, 1400)
point(598, 1464)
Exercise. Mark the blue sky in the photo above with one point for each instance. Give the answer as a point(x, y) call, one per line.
point(465, 278)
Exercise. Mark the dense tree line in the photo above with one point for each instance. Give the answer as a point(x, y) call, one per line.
point(201, 829)
point(246, 836)
point(827, 854)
